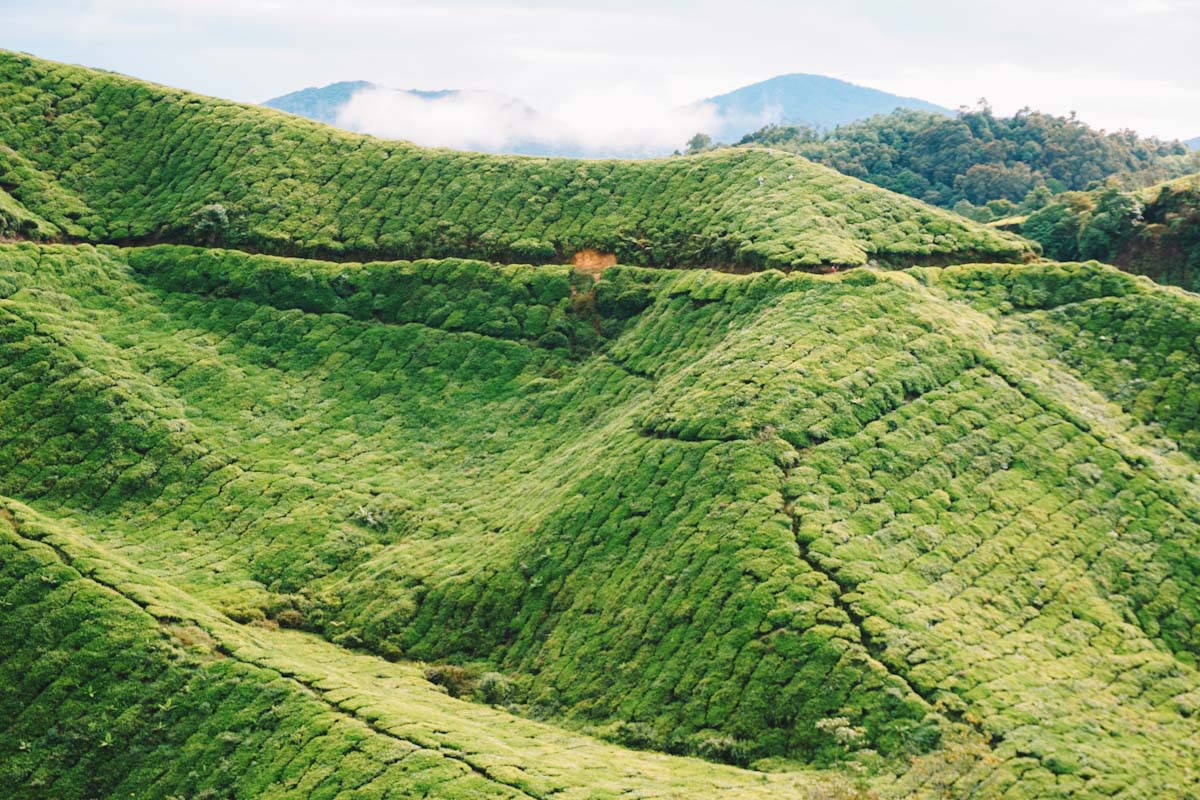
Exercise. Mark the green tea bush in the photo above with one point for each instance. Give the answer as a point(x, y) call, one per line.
point(936, 526)
point(110, 159)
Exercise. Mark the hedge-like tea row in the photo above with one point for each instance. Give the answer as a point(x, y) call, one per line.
point(891, 522)
point(110, 159)
point(110, 689)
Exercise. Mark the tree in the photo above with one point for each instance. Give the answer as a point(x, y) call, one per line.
point(699, 143)
point(1114, 221)
point(1056, 227)
point(210, 224)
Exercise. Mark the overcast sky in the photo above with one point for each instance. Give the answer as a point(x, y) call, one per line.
point(1126, 63)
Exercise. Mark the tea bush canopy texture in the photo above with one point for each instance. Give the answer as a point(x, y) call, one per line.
point(414, 522)
point(108, 159)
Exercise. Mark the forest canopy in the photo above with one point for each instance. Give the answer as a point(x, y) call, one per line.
point(980, 164)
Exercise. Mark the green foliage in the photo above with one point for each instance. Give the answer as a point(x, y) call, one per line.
point(1112, 221)
point(16, 221)
point(976, 156)
point(918, 533)
point(109, 159)
point(698, 144)
point(210, 224)
point(116, 685)
point(925, 525)
point(1154, 232)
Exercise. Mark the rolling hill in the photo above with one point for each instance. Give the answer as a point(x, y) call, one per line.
point(320, 103)
point(446, 527)
point(978, 163)
point(108, 159)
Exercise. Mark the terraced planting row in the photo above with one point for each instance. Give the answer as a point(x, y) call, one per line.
point(115, 684)
point(894, 524)
point(104, 158)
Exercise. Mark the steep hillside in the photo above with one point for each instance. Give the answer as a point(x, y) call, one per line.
point(916, 533)
point(817, 101)
point(109, 159)
point(117, 685)
point(1154, 232)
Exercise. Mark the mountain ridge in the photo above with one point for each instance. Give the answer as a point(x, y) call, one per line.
point(796, 98)
point(818, 101)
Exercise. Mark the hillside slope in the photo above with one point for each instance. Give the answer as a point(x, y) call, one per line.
point(116, 684)
point(932, 529)
point(109, 159)
point(977, 162)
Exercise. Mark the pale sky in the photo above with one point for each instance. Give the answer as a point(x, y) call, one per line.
point(1118, 64)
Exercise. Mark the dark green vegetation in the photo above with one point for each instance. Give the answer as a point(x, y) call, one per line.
point(981, 165)
point(1153, 232)
point(109, 159)
point(815, 101)
point(277, 527)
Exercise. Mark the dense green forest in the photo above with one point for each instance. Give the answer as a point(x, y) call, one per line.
point(979, 164)
point(1154, 231)
point(108, 159)
point(442, 526)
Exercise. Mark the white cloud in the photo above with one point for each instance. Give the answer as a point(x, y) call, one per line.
point(1104, 58)
point(616, 121)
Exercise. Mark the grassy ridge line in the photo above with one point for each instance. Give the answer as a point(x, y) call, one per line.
point(111, 159)
point(375, 705)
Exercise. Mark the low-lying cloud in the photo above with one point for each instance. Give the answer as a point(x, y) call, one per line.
point(589, 124)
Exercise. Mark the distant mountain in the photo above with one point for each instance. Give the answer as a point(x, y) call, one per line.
point(1194, 144)
point(801, 99)
point(323, 103)
point(474, 120)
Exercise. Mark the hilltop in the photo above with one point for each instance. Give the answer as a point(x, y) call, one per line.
point(408, 520)
point(798, 99)
point(323, 103)
point(319, 103)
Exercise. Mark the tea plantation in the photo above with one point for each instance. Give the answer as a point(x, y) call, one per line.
point(442, 527)
point(108, 159)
